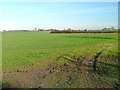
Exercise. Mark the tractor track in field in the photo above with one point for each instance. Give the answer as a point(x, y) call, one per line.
point(75, 74)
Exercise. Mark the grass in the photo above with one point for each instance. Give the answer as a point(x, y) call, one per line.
point(22, 50)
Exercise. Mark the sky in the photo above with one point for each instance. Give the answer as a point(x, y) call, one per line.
point(58, 15)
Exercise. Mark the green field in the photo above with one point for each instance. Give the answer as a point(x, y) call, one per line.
point(40, 50)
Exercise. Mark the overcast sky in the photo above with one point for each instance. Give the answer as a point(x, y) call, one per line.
point(58, 15)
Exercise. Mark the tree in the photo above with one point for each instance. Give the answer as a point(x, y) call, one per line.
point(85, 30)
point(112, 28)
point(69, 29)
point(4, 30)
point(35, 29)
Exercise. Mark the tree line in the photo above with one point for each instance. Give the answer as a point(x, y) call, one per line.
point(104, 30)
